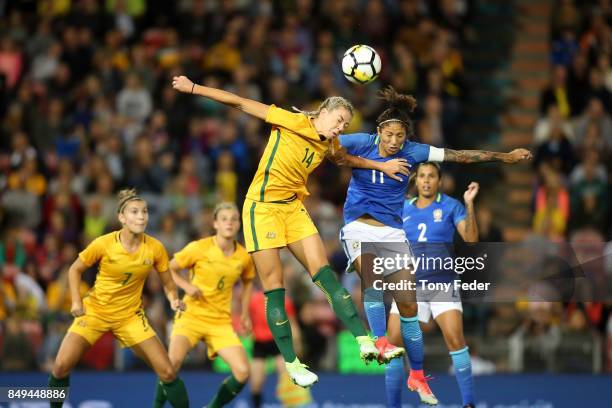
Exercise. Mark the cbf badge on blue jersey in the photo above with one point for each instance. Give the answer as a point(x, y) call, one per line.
point(372, 192)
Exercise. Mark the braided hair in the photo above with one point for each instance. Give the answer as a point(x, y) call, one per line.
point(124, 197)
point(399, 108)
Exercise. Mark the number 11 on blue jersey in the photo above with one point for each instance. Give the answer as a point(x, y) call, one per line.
point(381, 174)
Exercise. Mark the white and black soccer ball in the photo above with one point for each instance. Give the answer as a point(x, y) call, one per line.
point(361, 64)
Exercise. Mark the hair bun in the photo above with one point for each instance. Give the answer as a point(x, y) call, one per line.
point(397, 100)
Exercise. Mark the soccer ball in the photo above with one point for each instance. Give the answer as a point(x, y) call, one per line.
point(361, 64)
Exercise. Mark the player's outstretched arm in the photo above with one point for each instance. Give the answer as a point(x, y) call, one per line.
point(254, 108)
point(392, 168)
point(74, 282)
point(467, 228)
point(480, 156)
point(171, 291)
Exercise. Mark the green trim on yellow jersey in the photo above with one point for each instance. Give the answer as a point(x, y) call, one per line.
point(267, 171)
point(253, 232)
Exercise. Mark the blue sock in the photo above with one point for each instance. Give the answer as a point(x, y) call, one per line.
point(413, 341)
point(394, 382)
point(374, 307)
point(463, 373)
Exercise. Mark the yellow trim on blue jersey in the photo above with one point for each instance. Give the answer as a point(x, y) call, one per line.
point(413, 199)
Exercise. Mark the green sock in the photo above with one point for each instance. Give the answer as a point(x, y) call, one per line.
point(58, 383)
point(160, 395)
point(279, 323)
point(176, 393)
point(340, 300)
point(230, 387)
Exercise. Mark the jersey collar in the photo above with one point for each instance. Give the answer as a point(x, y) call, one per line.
point(437, 200)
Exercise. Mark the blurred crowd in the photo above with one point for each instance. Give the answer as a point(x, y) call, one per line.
point(87, 108)
point(573, 157)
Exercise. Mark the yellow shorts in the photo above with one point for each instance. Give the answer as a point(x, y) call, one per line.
point(216, 336)
point(274, 225)
point(129, 332)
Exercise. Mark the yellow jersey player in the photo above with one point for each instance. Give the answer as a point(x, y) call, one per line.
point(215, 264)
point(274, 216)
point(125, 258)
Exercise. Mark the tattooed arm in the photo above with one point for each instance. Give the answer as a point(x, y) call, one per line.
point(479, 156)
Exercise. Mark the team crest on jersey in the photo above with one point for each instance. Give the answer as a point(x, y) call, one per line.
point(437, 215)
point(147, 262)
point(271, 235)
point(82, 323)
point(356, 245)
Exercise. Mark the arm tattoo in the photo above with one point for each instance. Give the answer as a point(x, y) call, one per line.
point(471, 156)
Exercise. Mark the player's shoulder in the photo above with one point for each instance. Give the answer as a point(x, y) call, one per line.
point(202, 244)
point(359, 137)
point(107, 239)
point(412, 146)
point(241, 250)
point(448, 201)
point(296, 117)
point(409, 204)
point(153, 242)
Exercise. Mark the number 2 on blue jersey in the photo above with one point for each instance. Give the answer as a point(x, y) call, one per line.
point(423, 228)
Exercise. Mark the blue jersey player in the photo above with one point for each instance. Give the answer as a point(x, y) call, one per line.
point(430, 221)
point(373, 213)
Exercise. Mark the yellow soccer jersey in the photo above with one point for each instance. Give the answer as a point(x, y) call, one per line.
point(215, 275)
point(117, 292)
point(294, 150)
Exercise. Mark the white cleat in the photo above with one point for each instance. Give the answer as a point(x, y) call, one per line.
point(300, 375)
point(367, 349)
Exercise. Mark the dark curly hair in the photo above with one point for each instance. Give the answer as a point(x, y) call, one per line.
point(399, 108)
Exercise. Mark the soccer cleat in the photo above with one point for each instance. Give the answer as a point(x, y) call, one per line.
point(420, 386)
point(300, 375)
point(387, 351)
point(367, 349)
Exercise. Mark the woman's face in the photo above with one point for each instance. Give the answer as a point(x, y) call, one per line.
point(392, 136)
point(427, 181)
point(330, 123)
point(135, 216)
point(227, 223)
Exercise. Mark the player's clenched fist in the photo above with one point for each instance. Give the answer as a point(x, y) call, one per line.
point(517, 155)
point(183, 84)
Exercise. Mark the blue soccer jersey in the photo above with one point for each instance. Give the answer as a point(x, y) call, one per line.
point(372, 192)
point(430, 231)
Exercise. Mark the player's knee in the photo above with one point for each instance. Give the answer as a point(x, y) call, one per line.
point(407, 309)
point(61, 368)
point(455, 342)
point(167, 373)
point(241, 372)
point(272, 280)
point(175, 363)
